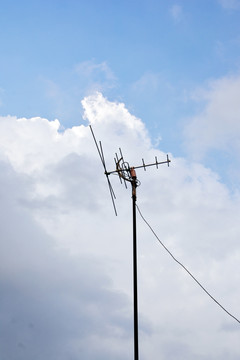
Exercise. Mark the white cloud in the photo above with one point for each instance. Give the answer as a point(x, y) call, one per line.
point(66, 260)
point(147, 81)
point(52, 304)
point(100, 76)
point(217, 126)
point(88, 68)
point(176, 12)
point(64, 95)
point(230, 4)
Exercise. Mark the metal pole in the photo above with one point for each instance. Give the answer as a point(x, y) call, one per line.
point(135, 293)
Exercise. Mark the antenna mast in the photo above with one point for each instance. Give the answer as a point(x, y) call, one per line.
point(128, 174)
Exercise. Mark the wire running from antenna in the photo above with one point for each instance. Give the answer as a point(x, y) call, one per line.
point(189, 273)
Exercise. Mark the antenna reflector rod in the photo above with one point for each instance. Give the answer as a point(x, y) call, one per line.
point(156, 162)
point(117, 165)
point(120, 151)
point(168, 161)
point(144, 165)
point(116, 157)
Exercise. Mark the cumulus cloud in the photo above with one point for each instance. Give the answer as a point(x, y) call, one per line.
point(213, 133)
point(218, 125)
point(64, 95)
point(66, 260)
point(52, 304)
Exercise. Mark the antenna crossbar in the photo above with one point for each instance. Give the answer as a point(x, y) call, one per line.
point(156, 163)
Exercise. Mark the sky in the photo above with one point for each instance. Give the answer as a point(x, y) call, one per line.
point(151, 77)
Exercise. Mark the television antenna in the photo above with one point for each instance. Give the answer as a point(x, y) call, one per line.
point(127, 174)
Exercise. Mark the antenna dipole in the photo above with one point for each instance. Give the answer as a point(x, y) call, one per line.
point(127, 174)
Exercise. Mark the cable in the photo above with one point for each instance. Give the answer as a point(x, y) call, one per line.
point(223, 308)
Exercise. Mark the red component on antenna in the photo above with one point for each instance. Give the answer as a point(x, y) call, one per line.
point(133, 173)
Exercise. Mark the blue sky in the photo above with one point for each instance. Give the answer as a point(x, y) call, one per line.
point(149, 54)
point(151, 77)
